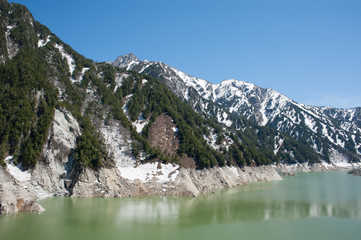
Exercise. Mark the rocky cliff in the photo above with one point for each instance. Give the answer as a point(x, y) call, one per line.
point(54, 175)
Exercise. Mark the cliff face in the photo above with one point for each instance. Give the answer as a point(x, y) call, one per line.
point(50, 176)
point(57, 174)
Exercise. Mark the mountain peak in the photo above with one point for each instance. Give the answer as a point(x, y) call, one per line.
point(230, 82)
point(126, 61)
point(236, 83)
point(130, 56)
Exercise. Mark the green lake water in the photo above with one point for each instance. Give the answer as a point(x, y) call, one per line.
point(308, 206)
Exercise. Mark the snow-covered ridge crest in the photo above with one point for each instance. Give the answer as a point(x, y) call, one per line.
point(266, 107)
point(127, 61)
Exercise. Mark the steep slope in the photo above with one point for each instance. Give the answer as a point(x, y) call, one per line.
point(73, 127)
point(333, 133)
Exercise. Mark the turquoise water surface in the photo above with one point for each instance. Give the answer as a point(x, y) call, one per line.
point(323, 205)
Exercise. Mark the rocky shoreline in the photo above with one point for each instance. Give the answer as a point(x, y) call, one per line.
point(15, 196)
point(55, 174)
point(355, 172)
point(291, 170)
point(18, 195)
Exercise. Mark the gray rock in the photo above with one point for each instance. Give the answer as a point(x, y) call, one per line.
point(355, 172)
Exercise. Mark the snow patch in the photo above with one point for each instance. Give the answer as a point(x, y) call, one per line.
point(263, 114)
point(150, 172)
point(83, 72)
point(223, 119)
point(125, 108)
point(24, 177)
point(341, 161)
point(16, 172)
point(118, 144)
point(119, 79)
point(278, 144)
point(131, 64)
point(9, 27)
point(357, 146)
point(140, 123)
point(310, 123)
point(212, 139)
point(42, 42)
point(68, 57)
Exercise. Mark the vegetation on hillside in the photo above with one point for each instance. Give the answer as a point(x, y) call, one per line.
point(28, 99)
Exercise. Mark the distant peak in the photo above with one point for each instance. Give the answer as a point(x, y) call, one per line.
point(126, 60)
point(233, 82)
point(129, 57)
point(227, 81)
point(237, 83)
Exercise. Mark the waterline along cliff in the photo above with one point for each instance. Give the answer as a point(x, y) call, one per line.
point(72, 127)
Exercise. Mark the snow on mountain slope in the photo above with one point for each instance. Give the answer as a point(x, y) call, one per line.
point(323, 128)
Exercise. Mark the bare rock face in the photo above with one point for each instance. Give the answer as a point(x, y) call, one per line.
point(189, 182)
point(192, 182)
point(51, 173)
point(14, 198)
point(102, 183)
point(54, 172)
point(56, 163)
point(108, 183)
point(355, 172)
point(29, 206)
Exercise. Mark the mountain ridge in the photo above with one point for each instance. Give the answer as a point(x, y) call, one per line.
point(264, 106)
point(72, 127)
point(122, 62)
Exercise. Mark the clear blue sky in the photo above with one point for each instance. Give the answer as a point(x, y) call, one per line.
point(309, 50)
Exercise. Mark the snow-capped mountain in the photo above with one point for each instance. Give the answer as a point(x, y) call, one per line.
point(325, 129)
point(70, 126)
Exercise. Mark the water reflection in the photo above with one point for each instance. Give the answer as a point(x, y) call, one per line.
point(297, 198)
point(323, 205)
point(153, 210)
